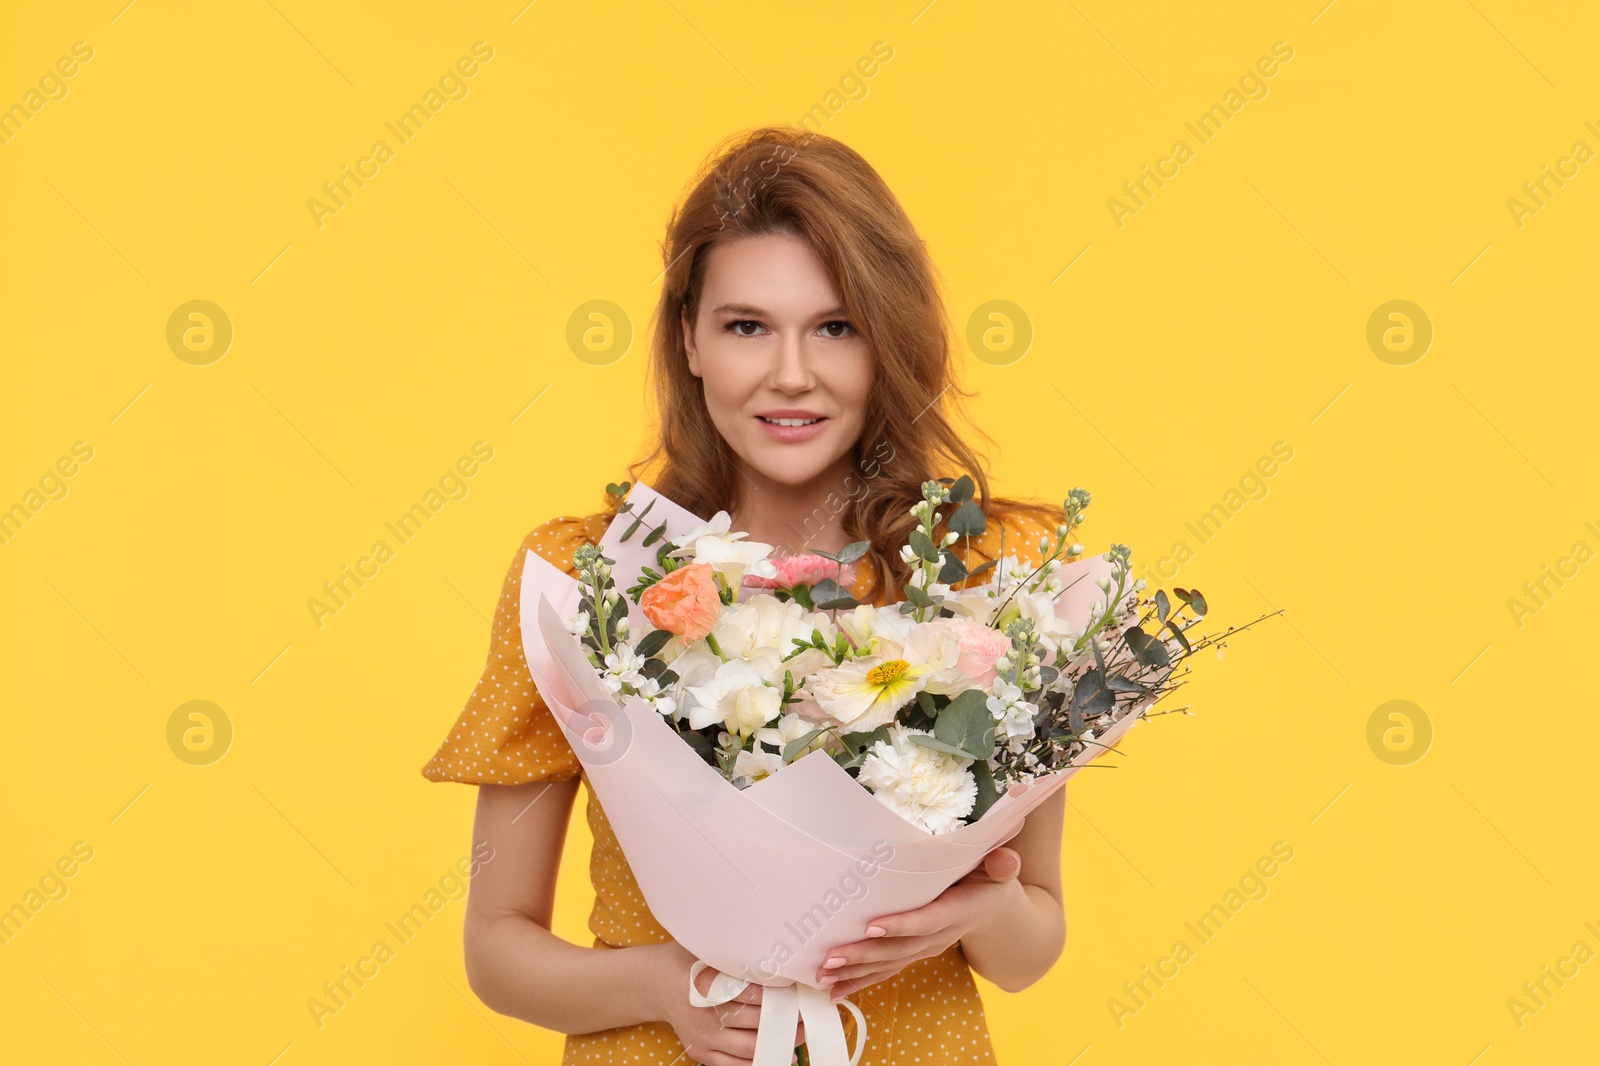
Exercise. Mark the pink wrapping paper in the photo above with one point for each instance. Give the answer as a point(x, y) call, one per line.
point(759, 883)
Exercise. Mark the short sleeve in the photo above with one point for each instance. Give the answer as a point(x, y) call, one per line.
point(506, 735)
point(1022, 529)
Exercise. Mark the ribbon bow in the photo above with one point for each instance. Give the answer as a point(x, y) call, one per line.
point(782, 1007)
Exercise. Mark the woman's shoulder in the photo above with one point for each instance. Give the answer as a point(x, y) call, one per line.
point(1016, 530)
point(556, 539)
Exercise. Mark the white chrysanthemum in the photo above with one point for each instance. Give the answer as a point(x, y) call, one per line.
point(926, 787)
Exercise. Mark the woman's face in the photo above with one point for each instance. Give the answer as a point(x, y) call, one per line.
point(771, 341)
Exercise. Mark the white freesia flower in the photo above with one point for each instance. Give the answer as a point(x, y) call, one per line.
point(926, 787)
point(738, 697)
point(713, 544)
point(866, 623)
point(764, 622)
point(1054, 631)
point(754, 765)
point(976, 604)
point(790, 727)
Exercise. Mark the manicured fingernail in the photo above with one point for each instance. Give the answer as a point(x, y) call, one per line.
point(828, 979)
point(874, 930)
point(837, 960)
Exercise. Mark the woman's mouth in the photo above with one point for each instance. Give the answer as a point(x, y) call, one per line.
point(791, 430)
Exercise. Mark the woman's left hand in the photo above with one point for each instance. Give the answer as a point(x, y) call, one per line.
point(925, 932)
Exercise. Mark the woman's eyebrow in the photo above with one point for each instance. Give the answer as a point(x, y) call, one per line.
point(747, 309)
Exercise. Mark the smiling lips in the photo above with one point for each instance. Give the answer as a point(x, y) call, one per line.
point(791, 425)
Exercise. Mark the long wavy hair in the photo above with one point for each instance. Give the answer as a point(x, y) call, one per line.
point(782, 179)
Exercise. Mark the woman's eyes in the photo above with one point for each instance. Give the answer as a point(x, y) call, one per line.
point(838, 329)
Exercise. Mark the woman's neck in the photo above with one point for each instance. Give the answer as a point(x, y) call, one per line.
point(798, 518)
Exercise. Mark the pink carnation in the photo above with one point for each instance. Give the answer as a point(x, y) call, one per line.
point(981, 647)
point(806, 568)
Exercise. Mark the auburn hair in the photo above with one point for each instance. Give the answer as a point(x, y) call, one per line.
point(784, 179)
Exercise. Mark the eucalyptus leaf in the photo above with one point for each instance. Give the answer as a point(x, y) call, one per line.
point(967, 521)
point(987, 793)
point(967, 725)
point(795, 746)
point(653, 642)
point(860, 741)
point(961, 491)
point(854, 550)
point(922, 544)
point(923, 740)
point(953, 570)
point(638, 520)
point(702, 745)
point(1148, 650)
point(1177, 632)
point(827, 589)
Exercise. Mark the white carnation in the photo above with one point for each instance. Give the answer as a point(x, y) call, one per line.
point(926, 787)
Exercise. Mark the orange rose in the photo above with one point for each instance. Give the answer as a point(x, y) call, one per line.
point(685, 602)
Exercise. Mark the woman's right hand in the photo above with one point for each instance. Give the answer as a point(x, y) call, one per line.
point(723, 1035)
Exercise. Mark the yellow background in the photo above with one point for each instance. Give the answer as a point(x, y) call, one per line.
point(1229, 313)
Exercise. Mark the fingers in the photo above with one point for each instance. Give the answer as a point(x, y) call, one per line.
point(732, 1015)
point(723, 1047)
point(750, 994)
point(868, 956)
point(844, 988)
point(716, 1058)
point(1002, 864)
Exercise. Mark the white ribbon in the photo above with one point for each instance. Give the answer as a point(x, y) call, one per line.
point(782, 1008)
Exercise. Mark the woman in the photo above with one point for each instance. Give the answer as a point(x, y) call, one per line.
point(802, 366)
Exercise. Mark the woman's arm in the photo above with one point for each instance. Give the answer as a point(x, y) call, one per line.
point(518, 967)
point(514, 963)
point(1027, 929)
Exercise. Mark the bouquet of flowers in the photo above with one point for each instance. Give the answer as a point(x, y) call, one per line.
point(936, 704)
point(763, 744)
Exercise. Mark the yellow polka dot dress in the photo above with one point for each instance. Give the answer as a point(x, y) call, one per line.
point(929, 1013)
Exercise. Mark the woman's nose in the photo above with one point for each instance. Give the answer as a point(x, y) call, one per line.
point(793, 372)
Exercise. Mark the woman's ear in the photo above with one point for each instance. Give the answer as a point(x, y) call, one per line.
point(688, 341)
